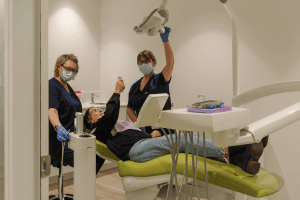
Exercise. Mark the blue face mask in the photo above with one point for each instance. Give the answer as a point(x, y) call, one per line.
point(146, 68)
point(67, 76)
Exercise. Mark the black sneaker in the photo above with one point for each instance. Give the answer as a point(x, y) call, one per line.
point(247, 159)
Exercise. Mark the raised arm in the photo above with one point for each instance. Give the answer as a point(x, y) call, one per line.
point(168, 69)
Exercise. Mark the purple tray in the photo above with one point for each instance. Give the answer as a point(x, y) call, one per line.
point(216, 110)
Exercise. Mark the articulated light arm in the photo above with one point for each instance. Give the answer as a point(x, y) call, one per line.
point(234, 51)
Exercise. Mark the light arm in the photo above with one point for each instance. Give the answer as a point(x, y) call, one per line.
point(270, 124)
point(234, 50)
point(163, 5)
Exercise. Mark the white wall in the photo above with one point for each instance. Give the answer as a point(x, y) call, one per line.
point(201, 42)
point(74, 28)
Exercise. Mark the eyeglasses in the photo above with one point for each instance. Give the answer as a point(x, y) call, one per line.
point(144, 62)
point(94, 110)
point(74, 71)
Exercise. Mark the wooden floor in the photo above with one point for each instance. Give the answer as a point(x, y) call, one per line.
point(108, 187)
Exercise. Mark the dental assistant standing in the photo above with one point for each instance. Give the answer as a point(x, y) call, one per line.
point(151, 83)
point(63, 104)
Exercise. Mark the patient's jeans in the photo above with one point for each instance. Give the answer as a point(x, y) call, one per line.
point(150, 148)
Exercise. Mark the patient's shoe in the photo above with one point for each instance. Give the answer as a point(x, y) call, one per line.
point(247, 159)
point(265, 141)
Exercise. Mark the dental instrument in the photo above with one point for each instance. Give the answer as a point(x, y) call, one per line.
point(120, 78)
point(151, 24)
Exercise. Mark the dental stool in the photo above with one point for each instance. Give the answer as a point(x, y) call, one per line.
point(57, 171)
point(60, 170)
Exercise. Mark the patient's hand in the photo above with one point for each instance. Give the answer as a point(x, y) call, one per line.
point(155, 134)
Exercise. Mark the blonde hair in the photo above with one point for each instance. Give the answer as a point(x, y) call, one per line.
point(61, 61)
point(148, 55)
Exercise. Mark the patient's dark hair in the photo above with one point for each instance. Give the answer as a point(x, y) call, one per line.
point(86, 120)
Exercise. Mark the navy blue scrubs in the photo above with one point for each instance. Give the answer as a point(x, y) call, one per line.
point(67, 104)
point(155, 85)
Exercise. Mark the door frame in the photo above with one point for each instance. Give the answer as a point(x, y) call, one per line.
point(25, 98)
point(44, 184)
point(8, 67)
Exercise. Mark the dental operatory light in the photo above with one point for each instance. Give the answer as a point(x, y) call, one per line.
point(151, 24)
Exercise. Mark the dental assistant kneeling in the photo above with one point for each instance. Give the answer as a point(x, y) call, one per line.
point(151, 83)
point(63, 104)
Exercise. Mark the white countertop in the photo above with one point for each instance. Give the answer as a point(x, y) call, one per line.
point(87, 105)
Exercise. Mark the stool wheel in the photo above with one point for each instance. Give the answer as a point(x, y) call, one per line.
point(65, 198)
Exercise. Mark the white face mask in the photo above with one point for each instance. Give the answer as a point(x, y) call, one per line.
point(67, 75)
point(146, 68)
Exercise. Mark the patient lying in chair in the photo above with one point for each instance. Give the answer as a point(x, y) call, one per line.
point(130, 143)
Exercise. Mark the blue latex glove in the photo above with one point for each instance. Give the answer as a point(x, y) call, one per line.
point(213, 107)
point(165, 36)
point(62, 134)
point(221, 104)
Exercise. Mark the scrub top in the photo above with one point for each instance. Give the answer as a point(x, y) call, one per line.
point(155, 85)
point(67, 104)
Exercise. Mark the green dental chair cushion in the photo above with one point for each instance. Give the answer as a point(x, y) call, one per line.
point(264, 183)
point(103, 150)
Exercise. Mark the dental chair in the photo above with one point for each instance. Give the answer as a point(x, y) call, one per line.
point(144, 180)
